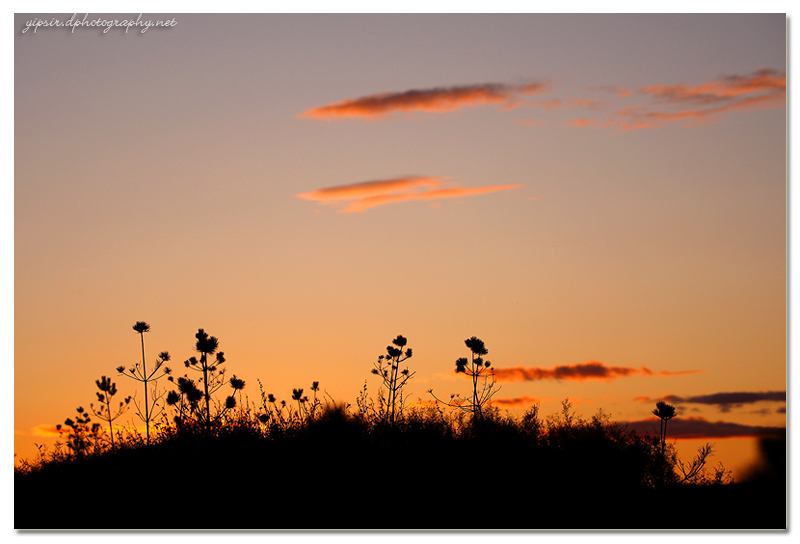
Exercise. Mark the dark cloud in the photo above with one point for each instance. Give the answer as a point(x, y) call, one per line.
point(698, 427)
point(438, 99)
point(591, 370)
point(725, 401)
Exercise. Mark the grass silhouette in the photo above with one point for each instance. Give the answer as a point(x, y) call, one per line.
point(313, 465)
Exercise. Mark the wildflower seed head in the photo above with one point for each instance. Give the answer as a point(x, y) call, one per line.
point(141, 327)
point(476, 346)
point(393, 352)
point(206, 344)
point(236, 383)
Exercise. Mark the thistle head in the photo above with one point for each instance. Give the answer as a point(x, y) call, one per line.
point(173, 398)
point(236, 383)
point(206, 344)
point(476, 346)
point(664, 411)
point(393, 352)
point(141, 327)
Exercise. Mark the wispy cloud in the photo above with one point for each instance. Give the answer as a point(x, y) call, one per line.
point(370, 194)
point(438, 99)
point(761, 83)
point(698, 427)
point(725, 401)
point(516, 401)
point(706, 102)
point(591, 370)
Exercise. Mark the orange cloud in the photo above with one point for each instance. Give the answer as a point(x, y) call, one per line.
point(591, 370)
point(766, 80)
point(372, 194)
point(368, 189)
point(439, 99)
point(704, 103)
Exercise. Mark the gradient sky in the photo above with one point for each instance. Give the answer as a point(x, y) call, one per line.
point(601, 199)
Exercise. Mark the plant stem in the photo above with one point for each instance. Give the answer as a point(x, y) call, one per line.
point(146, 409)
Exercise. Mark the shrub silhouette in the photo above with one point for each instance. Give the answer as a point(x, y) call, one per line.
point(81, 438)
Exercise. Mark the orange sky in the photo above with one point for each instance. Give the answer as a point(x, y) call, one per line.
point(601, 199)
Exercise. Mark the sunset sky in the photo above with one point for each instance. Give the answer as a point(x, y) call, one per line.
point(600, 198)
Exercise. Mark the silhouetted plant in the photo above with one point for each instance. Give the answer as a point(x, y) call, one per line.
point(186, 400)
point(140, 374)
point(366, 408)
point(664, 412)
point(107, 390)
point(189, 400)
point(480, 373)
point(394, 379)
point(212, 377)
point(81, 437)
point(272, 416)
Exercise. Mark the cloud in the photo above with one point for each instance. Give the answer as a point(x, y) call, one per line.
point(725, 401)
point(698, 427)
point(693, 105)
point(516, 401)
point(767, 81)
point(370, 194)
point(438, 99)
point(45, 430)
point(591, 370)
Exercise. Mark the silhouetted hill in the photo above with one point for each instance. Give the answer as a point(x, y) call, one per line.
point(339, 472)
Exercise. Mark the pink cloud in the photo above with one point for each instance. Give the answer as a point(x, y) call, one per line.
point(371, 194)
